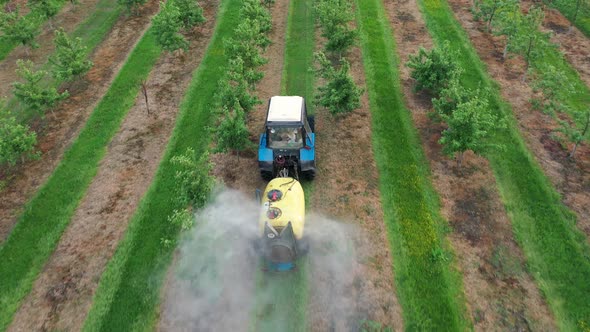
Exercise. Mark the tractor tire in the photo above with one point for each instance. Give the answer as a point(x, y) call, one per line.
point(266, 175)
point(309, 175)
point(311, 121)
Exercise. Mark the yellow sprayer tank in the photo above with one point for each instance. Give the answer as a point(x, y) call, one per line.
point(283, 201)
point(282, 218)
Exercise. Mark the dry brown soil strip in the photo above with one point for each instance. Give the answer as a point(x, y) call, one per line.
point(62, 128)
point(68, 18)
point(571, 178)
point(62, 295)
point(499, 292)
point(240, 173)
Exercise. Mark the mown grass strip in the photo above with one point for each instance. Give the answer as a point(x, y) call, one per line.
point(102, 19)
point(6, 46)
point(568, 9)
point(298, 79)
point(429, 290)
point(45, 217)
point(289, 306)
point(557, 253)
point(128, 294)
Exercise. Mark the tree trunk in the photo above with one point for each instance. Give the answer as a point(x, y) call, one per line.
point(492, 16)
point(528, 58)
point(571, 155)
point(505, 51)
point(584, 131)
point(145, 95)
point(460, 161)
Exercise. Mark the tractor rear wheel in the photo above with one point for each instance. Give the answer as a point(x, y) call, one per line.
point(266, 175)
point(311, 121)
point(309, 175)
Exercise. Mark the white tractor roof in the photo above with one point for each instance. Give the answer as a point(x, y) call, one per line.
point(285, 108)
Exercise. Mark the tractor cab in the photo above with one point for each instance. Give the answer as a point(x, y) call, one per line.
point(287, 144)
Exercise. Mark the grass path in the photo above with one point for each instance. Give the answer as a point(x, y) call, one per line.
point(45, 217)
point(557, 253)
point(428, 288)
point(129, 291)
point(290, 303)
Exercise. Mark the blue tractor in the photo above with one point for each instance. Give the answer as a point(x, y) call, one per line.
point(287, 145)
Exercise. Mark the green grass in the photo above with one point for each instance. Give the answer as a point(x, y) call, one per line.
point(289, 308)
point(557, 253)
point(429, 290)
point(94, 29)
point(568, 9)
point(129, 291)
point(6, 46)
point(46, 216)
point(297, 78)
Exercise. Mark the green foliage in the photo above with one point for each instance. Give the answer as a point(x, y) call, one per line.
point(334, 17)
point(19, 29)
point(469, 126)
point(488, 10)
point(69, 59)
point(252, 10)
point(577, 11)
point(237, 72)
point(530, 41)
point(509, 21)
point(575, 131)
point(193, 182)
point(247, 44)
point(191, 14)
point(433, 70)
point(268, 3)
point(340, 94)
point(31, 92)
point(17, 142)
point(236, 94)
point(132, 5)
point(232, 133)
point(450, 96)
point(550, 83)
point(45, 8)
point(182, 218)
point(166, 26)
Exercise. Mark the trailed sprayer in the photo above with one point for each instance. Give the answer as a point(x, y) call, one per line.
point(286, 151)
